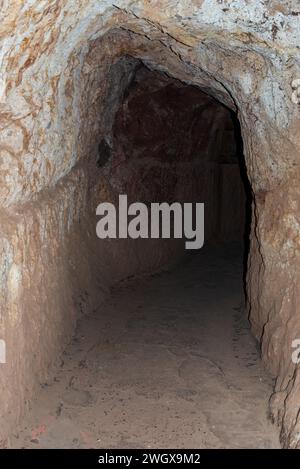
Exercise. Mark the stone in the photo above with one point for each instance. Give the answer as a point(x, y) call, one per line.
point(65, 70)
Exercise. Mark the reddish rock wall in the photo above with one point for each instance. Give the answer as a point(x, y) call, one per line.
point(61, 83)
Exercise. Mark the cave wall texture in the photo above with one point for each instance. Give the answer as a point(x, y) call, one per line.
point(65, 65)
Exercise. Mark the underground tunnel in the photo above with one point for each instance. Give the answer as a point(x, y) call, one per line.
point(139, 342)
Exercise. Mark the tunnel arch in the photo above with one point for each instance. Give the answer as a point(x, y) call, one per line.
point(47, 154)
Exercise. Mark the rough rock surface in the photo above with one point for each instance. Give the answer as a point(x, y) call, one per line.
point(64, 67)
point(145, 371)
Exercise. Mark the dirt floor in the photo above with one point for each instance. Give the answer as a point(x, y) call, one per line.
point(167, 362)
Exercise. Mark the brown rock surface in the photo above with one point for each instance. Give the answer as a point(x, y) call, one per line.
point(65, 66)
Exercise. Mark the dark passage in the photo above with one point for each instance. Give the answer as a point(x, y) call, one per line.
point(174, 143)
point(168, 360)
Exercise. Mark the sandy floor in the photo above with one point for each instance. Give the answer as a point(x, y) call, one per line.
point(168, 362)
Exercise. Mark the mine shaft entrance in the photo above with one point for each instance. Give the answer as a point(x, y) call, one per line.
point(174, 143)
point(168, 360)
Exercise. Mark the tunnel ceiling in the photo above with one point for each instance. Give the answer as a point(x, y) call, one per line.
point(56, 56)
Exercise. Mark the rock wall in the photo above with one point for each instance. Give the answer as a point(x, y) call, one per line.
point(64, 67)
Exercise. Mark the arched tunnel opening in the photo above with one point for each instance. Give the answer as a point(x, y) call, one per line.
point(137, 341)
point(169, 340)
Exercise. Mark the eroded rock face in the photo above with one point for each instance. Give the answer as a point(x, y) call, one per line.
point(64, 68)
